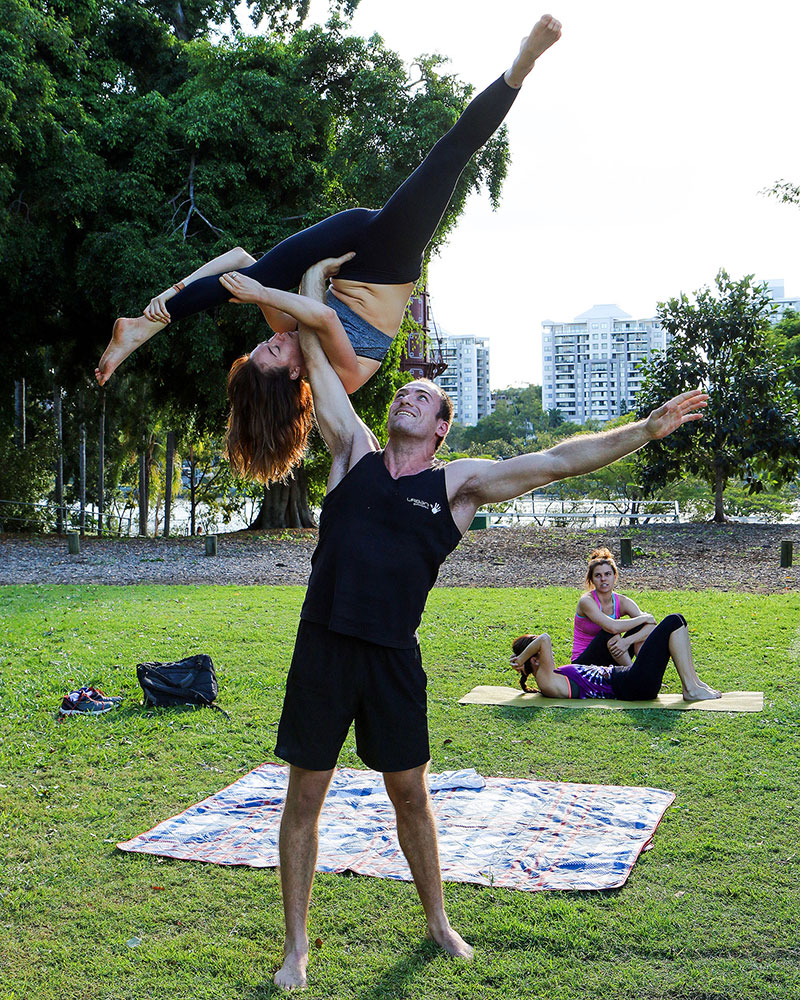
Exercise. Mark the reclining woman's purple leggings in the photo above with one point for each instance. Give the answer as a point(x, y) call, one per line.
point(642, 680)
point(389, 243)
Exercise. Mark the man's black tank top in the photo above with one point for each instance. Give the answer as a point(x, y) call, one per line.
point(381, 543)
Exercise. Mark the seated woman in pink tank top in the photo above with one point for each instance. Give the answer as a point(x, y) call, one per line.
point(608, 626)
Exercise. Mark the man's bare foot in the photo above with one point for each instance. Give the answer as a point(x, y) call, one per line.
point(700, 692)
point(452, 943)
point(546, 32)
point(292, 974)
point(127, 335)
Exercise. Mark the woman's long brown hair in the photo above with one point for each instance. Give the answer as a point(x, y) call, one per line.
point(517, 646)
point(270, 420)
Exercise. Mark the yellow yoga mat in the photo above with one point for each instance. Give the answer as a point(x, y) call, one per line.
point(731, 701)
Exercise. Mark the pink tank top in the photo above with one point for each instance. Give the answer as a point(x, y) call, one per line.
point(585, 629)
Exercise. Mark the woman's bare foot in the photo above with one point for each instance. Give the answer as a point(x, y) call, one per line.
point(546, 32)
point(127, 335)
point(292, 974)
point(452, 943)
point(700, 692)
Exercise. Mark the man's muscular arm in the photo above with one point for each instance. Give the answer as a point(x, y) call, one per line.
point(346, 435)
point(473, 482)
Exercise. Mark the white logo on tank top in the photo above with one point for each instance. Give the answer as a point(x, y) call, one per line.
point(434, 508)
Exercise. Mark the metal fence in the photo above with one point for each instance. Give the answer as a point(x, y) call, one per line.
point(551, 511)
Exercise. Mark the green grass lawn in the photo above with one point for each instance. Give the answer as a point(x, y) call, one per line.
point(712, 911)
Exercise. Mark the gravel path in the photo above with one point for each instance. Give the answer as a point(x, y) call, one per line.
point(727, 557)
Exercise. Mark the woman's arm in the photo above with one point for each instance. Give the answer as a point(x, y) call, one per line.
point(533, 647)
point(551, 684)
point(319, 318)
point(619, 645)
point(616, 626)
point(157, 312)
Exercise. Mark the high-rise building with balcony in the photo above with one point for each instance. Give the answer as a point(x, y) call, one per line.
point(466, 379)
point(783, 303)
point(591, 366)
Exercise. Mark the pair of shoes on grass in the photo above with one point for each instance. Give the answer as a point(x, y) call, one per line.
point(88, 701)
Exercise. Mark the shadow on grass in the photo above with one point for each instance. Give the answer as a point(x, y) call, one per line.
point(390, 984)
point(132, 710)
point(656, 719)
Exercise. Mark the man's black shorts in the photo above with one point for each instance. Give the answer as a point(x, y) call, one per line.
point(336, 679)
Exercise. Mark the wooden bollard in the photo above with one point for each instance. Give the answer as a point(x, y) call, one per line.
point(625, 552)
point(786, 554)
point(74, 543)
point(211, 545)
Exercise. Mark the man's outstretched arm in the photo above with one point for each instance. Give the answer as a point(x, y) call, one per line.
point(346, 435)
point(473, 482)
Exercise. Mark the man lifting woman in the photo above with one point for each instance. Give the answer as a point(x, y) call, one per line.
point(378, 259)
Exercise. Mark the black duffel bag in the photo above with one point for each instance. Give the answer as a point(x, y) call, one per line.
point(191, 681)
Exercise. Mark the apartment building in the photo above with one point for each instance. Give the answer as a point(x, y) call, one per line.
point(466, 379)
point(783, 303)
point(591, 367)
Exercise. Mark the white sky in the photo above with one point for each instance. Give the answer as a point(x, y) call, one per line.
point(639, 146)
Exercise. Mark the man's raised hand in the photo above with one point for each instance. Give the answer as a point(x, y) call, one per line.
point(676, 412)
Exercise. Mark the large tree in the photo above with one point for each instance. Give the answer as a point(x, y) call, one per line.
point(787, 334)
point(751, 429)
point(137, 144)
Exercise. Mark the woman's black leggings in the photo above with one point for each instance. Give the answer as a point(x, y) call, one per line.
point(642, 680)
point(389, 242)
point(597, 653)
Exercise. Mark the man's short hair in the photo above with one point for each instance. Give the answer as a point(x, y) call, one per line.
point(445, 408)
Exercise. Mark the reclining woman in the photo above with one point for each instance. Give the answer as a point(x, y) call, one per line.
point(533, 654)
point(380, 253)
point(607, 625)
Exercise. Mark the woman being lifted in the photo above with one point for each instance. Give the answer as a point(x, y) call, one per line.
point(378, 254)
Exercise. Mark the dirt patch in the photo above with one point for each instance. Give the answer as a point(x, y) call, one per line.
point(742, 557)
point(665, 557)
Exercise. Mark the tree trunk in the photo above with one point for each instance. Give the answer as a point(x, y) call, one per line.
point(20, 430)
point(179, 25)
point(285, 505)
point(59, 460)
point(168, 481)
point(192, 491)
point(148, 461)
point(82, 487)
point(156, 515)
point(143, 498)
point(101, 465)
point(719, 489)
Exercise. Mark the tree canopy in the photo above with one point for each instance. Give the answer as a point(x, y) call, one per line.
point(751, 429)
point(517, 424)
point(136, 142)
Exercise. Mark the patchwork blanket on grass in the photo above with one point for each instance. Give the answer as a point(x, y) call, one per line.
point(508, 832)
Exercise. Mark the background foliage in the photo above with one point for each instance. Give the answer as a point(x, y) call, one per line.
point(137, 142)
point(751, 430)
